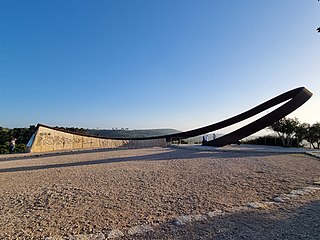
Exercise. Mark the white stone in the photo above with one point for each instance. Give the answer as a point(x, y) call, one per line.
point(313, 188)
point(257, 205)
point(215, 213)
point(182, 220)
point(199, 217)
point(115, 233)
point(98, 236)
point(279, 199)
point(287, 196)
point(307, 190)
point(140, 229)
point(300, 192)
point(271, 203)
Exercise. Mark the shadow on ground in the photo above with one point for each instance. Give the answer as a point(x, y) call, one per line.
point(171, 154)
point(299, 223)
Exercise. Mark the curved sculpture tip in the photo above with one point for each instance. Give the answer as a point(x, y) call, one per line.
point(297, 97)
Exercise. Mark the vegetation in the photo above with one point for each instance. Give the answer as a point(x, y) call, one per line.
point(73, 129)
point(124, 133)
point(121, 133)
point(313, 135)
point(21, 134)
point(271, 141)
point(292, 132)
point(286, 129)
point(24, 134)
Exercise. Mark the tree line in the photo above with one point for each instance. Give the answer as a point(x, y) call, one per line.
point(291, 130)
point(21, 134)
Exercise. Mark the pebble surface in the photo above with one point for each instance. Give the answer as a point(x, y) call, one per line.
point(117, 193)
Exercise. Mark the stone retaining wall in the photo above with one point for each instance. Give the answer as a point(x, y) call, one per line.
point(48, 140)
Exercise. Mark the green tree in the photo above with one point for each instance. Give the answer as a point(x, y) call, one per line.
point(286, 129)
point(314, 135)
point(21, 134)
point(303, 132)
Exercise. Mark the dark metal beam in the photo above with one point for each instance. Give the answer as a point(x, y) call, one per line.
point(296, 97)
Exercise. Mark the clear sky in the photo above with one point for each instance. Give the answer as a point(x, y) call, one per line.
point(154, 63)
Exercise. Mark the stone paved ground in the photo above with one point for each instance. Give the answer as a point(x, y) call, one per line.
point(159, 193)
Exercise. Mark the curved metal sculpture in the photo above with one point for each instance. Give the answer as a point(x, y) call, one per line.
point(296, 97)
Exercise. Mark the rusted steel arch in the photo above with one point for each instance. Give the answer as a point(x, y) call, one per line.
point(296, 96)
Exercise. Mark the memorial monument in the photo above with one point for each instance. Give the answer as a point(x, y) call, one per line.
point(47, 139)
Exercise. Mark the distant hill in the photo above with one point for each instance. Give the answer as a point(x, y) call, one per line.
point(125, 133)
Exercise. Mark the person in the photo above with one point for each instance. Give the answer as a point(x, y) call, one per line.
point(204, 139)
point(213, 136)
point(12, 145)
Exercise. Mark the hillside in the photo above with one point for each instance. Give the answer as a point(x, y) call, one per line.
point(118, 133)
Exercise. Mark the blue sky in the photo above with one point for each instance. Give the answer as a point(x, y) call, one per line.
point(153, 64)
